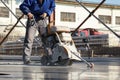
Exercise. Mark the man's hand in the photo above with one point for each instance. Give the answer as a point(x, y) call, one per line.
point(30, 15)
point(44, 15)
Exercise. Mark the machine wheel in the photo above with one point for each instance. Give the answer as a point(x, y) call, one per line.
point(91, 65)
point(44, 60)
point(64, 62)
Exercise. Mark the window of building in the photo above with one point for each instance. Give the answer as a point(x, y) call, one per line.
point(105, 18)
point(6, 1)
point(117, 20)
point(19, 1)
point(19, 13)
point(67, 16)
point(4, 12)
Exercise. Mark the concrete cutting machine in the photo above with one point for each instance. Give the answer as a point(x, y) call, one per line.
point(60, 47)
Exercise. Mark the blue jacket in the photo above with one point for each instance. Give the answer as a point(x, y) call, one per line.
point(36, 8)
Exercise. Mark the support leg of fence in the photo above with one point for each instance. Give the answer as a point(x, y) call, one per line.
point(92, 53)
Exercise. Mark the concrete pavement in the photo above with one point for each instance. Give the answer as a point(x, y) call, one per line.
point(104, 69)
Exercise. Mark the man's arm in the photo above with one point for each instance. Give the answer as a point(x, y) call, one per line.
point(52, 7)
point(24, 7)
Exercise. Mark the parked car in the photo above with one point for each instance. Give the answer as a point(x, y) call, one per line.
point(91, 36)
point(88, 31)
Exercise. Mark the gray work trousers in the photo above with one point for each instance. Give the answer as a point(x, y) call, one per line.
point(30, 34)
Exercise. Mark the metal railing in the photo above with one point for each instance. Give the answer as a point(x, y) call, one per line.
point(93, 40)
point(12, 47)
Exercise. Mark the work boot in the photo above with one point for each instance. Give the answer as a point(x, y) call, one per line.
point(26, 59)
point(27, 62)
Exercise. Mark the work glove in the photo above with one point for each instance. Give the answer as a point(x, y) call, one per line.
point(30, 15)
point(44, 15)
point(31, 18)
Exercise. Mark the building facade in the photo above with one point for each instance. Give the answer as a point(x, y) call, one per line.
point(67, 13)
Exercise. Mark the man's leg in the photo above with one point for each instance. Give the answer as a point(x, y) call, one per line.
point(43, 34)
point(29, 37)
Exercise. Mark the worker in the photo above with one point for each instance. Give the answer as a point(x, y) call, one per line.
point(38, 10)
